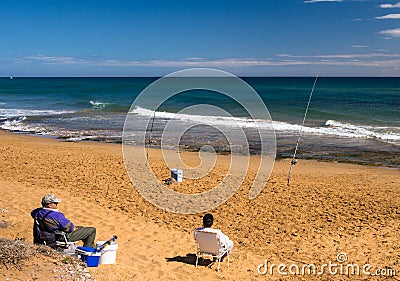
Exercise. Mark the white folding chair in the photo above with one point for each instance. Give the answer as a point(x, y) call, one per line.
point(208, 245)
point(61, 237)
point(64, 243)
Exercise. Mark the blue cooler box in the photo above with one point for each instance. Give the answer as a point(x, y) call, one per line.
point(89, 255)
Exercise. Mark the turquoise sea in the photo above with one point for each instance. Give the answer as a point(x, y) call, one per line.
point(350, 119)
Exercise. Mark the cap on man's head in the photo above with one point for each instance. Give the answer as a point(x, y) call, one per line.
point(49, 198)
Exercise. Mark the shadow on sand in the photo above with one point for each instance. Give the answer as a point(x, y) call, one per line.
point(191, 259)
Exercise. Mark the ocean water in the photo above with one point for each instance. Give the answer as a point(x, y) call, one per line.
point(349, 119)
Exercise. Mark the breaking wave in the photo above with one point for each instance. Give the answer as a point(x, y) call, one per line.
point(331, 127)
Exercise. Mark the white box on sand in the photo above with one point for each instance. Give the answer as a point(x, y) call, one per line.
point(177, 175)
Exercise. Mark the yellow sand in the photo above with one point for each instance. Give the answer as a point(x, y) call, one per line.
point(329, 208)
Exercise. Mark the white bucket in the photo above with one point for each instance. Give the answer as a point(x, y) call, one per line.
point(108, 253)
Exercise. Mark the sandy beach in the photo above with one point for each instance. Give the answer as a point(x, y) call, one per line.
point(329, 208)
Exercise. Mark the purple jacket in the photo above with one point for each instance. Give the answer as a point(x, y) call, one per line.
point(53, 220)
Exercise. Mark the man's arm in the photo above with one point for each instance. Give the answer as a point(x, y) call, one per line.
point(64, 223)
point(223, 239)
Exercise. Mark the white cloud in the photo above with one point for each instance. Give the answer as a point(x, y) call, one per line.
point(359, 46)
point(51, 59)
point(390, 6)
point(374, 60)
point(389, 16)
point(318, 1)
point(345, 56)
point(391, 32)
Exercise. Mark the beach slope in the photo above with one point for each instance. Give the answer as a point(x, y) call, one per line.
point(330, 208)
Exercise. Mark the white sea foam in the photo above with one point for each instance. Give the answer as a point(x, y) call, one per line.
point(335, 128)
point(18, 125)
point(238, 122)
point(15, 119)
point(11, 112)
point(360, 131)
point(331, 127)
point(98, 104)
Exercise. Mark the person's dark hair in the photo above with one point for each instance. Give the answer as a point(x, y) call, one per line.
point(208, 220)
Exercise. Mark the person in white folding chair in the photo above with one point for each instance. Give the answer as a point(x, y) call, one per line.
point(224, 240)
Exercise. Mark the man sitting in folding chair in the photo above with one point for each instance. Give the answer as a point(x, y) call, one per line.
point(211, 241)
point(49, 223)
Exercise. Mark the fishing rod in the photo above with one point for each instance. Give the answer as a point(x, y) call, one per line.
point(108, 242)
point(150, 137)
point(294, 161)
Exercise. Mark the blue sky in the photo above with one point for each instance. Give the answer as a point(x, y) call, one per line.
point(153, 38)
